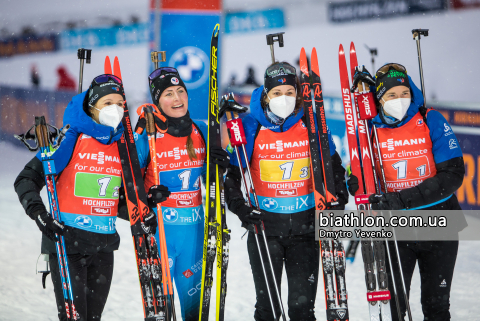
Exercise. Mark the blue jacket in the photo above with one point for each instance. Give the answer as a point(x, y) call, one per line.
point(80, 123)
point(440, 131)
point(77, 240)
point(276, 223)
point(257, 117)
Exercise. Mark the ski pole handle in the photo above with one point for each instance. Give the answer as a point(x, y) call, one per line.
point(83, 54)
point(417, 33)
point(150, 125)
point(154, 55)
point(274, 37)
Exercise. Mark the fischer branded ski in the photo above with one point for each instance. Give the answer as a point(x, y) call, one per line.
point(146, 250)
point(216, 233)
point(332, 252)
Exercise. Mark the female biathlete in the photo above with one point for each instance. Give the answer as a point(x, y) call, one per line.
point(278, 153)
point(88, 183)
point(423, 167)
point(181, 152)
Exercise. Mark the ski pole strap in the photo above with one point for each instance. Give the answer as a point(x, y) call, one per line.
point(44, 277)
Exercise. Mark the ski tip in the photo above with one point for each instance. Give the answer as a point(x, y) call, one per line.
point(216, 30)
point(340, 50)
point(303, 62)
point(116, 68)
point(107, 69)
point(314, 62)
point(352, 47)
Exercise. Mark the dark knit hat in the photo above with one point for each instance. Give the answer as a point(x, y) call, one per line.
point(104, 85)
point(390, 79)
point(280, 73)
point(161, 79)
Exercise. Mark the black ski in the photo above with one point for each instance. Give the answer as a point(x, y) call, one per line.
point(146, 250)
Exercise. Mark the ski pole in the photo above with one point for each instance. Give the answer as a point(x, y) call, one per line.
point(83, 54)
point(274, 37)
point(166, 277)
point(417, 33)
point(407, 303)
point(46, 142)
point(262, 230)
point(154, 55)
point(231, 116)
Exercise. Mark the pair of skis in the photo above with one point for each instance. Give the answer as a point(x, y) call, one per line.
point(332, 251)
point(216, 233)
point(357, 112)
point(149, 262)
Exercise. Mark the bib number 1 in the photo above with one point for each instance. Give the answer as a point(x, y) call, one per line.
point(103, 182)
point(401, 168)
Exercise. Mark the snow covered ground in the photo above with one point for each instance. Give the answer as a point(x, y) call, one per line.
point(22, 296)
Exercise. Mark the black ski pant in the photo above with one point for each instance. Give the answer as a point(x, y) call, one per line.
point(436, 262)
point(300, 254)
point(91, 276)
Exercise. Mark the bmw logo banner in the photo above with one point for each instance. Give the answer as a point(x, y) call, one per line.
point(186, 30)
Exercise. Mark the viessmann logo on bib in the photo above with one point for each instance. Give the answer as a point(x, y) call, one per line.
point(177, 152)
point(100, 157)
point(279, 145)
point(390, 143)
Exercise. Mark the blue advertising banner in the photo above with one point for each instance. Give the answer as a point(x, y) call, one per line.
point(247, 21)
point(465, 123)
point(374, 9)
point(336, 123)
point(100, 37)
point(28, 44)
point(186, 39)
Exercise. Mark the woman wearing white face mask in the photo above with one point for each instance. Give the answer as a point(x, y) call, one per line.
point(423, 167)
point(278, 151)
point(88, 186)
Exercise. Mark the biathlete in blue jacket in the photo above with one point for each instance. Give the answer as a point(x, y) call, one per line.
point(89, 179)
point(181, 152)
point(279, 156)
point(423, 167)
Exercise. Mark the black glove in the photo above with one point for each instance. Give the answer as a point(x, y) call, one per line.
point(362, 74)
point(352, 184)
point(220, 157)
point(250, 216)
point(48, 225)
point(150, 222)
point(388, 201)
point(157, 194)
